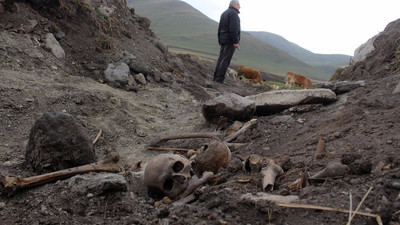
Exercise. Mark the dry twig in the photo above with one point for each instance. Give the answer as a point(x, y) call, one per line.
point(359, 205)
point(302, 206)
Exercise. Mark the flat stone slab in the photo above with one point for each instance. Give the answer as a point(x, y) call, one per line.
point(340, 87)
point(276, 101)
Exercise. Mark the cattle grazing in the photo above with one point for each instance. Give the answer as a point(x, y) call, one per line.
point(299, 80)
point(250, 73)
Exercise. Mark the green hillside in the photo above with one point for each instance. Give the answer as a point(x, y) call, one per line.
point(325, 62)
point(186, 29)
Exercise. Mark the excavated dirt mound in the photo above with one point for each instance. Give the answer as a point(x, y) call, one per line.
point(360, 130)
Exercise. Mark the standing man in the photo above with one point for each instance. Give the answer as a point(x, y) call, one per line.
point(228, 39)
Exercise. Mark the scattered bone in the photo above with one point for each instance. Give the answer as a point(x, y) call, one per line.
point(164, 201)
point(269, 175)
point(212, 135)
point(12, 184)
point(97, 136)
point(299, 183)
point(320, 149)
point(262, 196)
point(195, 183)
point(222, 123)
point(169, 149)
point(333, 169)
point(253, 164)
point(233, 128)
point(185, 200)
point(167, 174)
point(191, 153)
point(245, 127)
point(212, 157)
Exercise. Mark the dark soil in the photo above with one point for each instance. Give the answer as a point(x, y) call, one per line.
point(360, 130)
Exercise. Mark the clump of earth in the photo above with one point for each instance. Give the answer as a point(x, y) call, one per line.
point(360, 130)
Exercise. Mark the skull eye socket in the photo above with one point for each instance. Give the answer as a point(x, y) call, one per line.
point(178, 167)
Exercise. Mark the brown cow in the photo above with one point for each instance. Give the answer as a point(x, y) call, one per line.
point(297, 79)
point(250, 73)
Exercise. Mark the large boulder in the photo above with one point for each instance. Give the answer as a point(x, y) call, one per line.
point(57, 142)
point(276, 101)
point(231, 106)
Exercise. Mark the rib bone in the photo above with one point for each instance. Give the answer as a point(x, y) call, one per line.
point(12, 184)
point(212, 135)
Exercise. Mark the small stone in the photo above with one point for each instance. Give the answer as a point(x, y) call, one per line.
point(2, 205)
point(90, 195)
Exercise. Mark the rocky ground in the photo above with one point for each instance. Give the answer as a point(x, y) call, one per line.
point(361, 130)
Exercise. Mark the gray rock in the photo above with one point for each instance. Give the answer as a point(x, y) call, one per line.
point(60, 35)
point(396, 90)
point(160, 45)
point(282, 119)
point(231, 106)
point(97, 183)
point(138, 66)
point(176, 63)
point(140, 78)
point(132, 85)
point(166, 77)
point(276, 101)
point(340, 87)
point(157, 76)
point(118, 73)
point(29, 25)
point(54, 47)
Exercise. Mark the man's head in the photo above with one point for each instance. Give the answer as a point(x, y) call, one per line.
point(235, 4)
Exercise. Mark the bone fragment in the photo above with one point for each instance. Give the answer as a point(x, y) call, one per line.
point(299, 183)
point(97, 136)
point(320, 148)
point(12, 184)
point(169, 149)
point(245, 127)
point(269, 174)
point(262, 196)
point(212, 135)
point(333, 169)
point(185, 200)
point(233, 128)
point(253, 164)
point(196, 182)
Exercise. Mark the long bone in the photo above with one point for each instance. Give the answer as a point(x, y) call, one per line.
point(12, 184)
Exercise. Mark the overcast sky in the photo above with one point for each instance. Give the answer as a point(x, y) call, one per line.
point(321, 26)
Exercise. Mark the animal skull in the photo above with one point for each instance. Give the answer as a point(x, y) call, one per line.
point(167, 174)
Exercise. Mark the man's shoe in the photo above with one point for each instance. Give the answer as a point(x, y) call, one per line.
point(222, 82)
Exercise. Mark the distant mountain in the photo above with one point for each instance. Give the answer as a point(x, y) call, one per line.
point(186, 29)
point(325, 62)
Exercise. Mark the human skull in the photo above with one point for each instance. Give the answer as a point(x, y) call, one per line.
point(167, 174)
point(212, 157)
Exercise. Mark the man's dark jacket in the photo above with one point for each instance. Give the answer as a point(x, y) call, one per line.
point(229, 27)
